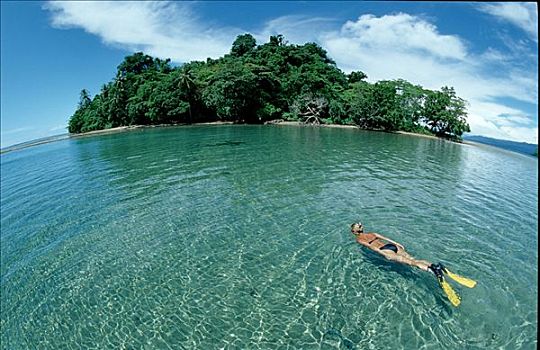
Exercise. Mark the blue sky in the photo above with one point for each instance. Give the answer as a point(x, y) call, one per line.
point(487, 51)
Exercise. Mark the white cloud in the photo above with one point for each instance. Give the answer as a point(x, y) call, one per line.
point(521, 134)
point(522, 15)
point(502, 122)
point(296, 29)
point(162, 29)
point(407, 47)
point(386, 47)
point(388, 32)
point(58, 128)
point(17, 130)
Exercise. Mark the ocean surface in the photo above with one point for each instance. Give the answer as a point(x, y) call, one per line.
point(237, 237)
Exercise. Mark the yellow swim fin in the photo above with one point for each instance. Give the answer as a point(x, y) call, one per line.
point(450, 292)
point(467, 282)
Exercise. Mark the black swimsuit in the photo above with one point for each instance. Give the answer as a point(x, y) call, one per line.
point(387, 246)
point(390, 246)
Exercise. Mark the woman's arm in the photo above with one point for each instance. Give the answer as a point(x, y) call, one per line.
point(361, 242)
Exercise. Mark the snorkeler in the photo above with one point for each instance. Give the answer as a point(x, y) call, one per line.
point(394, 251)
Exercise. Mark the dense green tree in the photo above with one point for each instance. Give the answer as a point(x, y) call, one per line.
point(256, 83)
point(409, 102)
point(243, 44)
point(277, 40)
point(445, 113)
point(186, 84)
point(233, 92)
point(139, 63)
point(84, 99)
point(78, 120)
point(374, 106)
point(355, 77)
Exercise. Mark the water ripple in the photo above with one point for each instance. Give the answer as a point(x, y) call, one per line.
point(237, 237)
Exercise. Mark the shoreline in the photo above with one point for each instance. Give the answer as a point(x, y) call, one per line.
point(127, 128)
point(116, 130)
point(119, 129)
point(342, 126)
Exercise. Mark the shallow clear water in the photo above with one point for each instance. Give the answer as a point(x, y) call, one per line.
point(238, 237)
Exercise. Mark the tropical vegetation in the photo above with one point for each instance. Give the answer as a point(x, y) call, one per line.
point(260, 83)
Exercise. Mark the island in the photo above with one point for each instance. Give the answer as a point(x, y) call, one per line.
point(257, 84)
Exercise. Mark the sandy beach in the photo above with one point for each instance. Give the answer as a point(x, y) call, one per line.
point(135, 127)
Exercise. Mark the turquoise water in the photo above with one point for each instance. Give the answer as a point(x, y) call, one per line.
point(237, 237)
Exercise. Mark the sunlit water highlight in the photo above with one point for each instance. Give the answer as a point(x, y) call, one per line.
point(238, 237)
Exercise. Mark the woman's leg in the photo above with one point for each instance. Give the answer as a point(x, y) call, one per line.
point(405, 258)
point(422, 264)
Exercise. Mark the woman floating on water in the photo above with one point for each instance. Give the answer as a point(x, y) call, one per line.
point(394, 251)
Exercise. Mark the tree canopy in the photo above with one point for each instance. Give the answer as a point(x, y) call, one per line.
point(257, 83)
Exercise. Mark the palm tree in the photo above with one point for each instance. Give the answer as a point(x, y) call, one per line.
point(118, 112)
point(187, 83)
point(85, 99)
